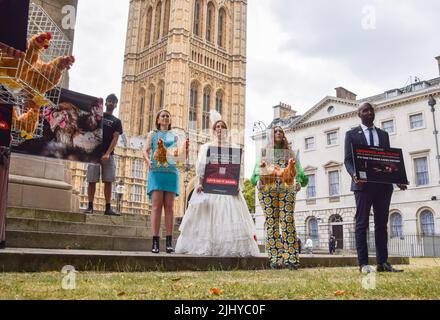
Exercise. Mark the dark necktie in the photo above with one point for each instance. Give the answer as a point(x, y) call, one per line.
point(371, 137)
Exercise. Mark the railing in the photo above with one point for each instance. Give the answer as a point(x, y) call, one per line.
point(408, 245)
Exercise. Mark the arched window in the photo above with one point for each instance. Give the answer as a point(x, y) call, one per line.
point(161, 97)
point(157, 19)
point(219, 102)
point(151, 112)
point(206, 108)
point(194, 99)
point(221, 28)
point(166, 21)
point(198, 18)
point(396, 225)
point(142, 113)
point(148, 26)
point(210, 22)
point(427, 225)
point(313, 229)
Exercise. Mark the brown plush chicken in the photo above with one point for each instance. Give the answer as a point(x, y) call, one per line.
point(160, 155)
point(268, 175)
point(10, 65)
point(40, 76)
point(27, 122)
point(288, 174)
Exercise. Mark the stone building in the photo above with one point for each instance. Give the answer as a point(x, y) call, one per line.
point(188, 57)
point(327, 205)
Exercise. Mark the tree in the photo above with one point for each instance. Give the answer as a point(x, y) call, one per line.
point(249, 195)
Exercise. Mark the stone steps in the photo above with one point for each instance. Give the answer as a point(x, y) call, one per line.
point(30, 228)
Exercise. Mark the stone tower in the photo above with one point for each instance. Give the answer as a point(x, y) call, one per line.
point(189, 57)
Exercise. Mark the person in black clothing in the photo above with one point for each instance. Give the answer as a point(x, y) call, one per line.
point(369, 195)
point(332, 244)
point(112, 129)
point(299, 245)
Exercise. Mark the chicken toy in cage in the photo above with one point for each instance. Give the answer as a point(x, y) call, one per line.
point(30, 76)
point(271, 173)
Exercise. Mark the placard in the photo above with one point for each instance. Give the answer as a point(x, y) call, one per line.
point(222, 172)
point(379, 165)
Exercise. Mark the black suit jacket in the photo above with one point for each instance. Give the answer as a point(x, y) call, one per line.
point(357, 136)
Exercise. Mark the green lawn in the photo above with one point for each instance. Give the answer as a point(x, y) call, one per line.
point(420, 281)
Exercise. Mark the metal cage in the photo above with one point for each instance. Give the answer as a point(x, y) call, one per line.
point(24, 80)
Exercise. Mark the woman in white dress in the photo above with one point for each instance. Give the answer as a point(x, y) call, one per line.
point(216, 225)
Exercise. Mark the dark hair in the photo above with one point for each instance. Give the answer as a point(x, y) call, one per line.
point(157, 119)
point(112, 97)
point(217, 122)
point(285, 142)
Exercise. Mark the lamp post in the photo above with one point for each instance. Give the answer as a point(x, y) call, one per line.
point(120, 190)
point(432, 102)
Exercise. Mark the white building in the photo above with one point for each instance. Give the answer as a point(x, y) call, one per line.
point(327, 205)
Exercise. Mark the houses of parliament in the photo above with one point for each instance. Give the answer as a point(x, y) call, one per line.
point(186, 56)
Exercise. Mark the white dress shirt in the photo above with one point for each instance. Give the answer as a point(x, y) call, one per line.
point(367, 135)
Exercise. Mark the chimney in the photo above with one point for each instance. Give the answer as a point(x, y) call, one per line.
point(343, 93)
point(438, 62)
point(283, 111)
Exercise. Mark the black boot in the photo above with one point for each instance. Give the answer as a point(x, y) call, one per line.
point(169, 243)
point(155, 248)
point(2, 244)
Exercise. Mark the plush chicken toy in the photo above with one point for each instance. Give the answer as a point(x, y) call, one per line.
point(27, 122)
point(288, 174)
point(270, 174)
point(40, 76)
point(160, 155)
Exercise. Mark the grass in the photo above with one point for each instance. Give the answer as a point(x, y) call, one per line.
point(420, 281)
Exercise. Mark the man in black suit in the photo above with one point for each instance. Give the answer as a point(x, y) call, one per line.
point(370, 195)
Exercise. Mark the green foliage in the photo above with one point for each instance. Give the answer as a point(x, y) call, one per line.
point(249, 195)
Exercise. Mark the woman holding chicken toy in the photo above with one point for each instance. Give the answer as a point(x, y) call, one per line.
point(279, 182)
point(163, 177)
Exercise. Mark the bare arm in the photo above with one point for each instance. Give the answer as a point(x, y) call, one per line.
point(147, 150)
point(112, 147)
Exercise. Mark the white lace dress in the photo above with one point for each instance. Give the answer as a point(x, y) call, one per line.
point(216, 225)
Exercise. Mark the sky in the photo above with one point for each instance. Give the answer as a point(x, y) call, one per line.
point(297, 51)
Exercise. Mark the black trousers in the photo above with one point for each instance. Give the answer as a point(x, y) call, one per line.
point(379, 197)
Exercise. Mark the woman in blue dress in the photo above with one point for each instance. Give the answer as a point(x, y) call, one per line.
point(163, 178)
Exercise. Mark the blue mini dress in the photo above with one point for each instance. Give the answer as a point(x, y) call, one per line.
point(162, 178)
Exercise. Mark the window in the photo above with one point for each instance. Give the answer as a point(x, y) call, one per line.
point(197, 18)
point(427, 225)
point(421, 168)
point(117, 164)
point(114, 194)
point(142, 115)
point(136, 194)
point(157, 21)
point(313, 229)
point(334, 183)
point(210, 24)
point(396, 225)
point(310, 143)
point(221, 28)
point(148, 26)
point(219, 102)
point(166, 22)
point(206, 108)
point(331, 110)
point(311, 188)
point(332, 138)
point(137, 170)
point(151, 114)
point(193, 107)
point(388, 126)
point(416, 121)
point(84, 187)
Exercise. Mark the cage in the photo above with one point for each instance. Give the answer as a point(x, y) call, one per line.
point(31, 83)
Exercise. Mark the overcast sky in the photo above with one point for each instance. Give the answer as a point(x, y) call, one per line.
point(298, 51)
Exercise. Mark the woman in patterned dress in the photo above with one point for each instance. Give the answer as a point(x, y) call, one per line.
point(278, 202)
